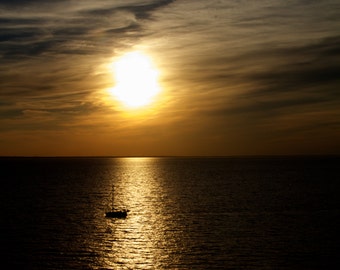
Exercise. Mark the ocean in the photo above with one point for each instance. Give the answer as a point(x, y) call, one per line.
point(184, 213)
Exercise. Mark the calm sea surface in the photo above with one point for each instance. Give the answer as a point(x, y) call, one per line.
point(185, 213)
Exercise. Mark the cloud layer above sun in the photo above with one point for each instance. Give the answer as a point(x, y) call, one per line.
point(238, 77)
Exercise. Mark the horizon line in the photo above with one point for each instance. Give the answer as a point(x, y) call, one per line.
point(169, 156)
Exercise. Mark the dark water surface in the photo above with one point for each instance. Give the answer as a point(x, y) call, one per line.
point(185, 213)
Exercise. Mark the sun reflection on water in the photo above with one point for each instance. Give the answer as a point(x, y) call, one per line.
point(137, 242)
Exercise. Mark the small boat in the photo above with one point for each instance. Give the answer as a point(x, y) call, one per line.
point(116, 214)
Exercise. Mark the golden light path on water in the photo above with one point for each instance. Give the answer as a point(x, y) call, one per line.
point(141, 240)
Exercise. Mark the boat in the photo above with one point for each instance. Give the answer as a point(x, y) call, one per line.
point(116, 214)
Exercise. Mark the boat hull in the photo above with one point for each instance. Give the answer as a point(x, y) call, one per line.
point(116, 214)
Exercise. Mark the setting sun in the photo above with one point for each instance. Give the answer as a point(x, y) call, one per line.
point(136, 80)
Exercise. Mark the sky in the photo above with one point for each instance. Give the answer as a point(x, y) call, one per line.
point(236, 77)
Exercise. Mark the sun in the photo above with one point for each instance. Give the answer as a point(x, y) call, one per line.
point(136, 80)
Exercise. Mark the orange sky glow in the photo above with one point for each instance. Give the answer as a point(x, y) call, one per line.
point(218, 78)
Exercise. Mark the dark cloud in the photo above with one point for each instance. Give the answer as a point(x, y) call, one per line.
point(292, 77)
point(141, 11)
point(275, 92)
point(144, 11)
point(305, 68)
point(20, 36)
point(20, 3)
point(13, 22)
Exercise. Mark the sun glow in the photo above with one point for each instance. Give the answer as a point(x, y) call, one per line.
point(136, 80)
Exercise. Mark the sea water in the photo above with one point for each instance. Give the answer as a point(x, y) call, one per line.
point(184, 213)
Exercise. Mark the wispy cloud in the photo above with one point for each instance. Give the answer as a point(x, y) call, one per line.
point(49, 50)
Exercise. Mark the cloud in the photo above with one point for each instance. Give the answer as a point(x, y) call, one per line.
point(140, 10)
point(309, 73)
point(263, 76)
point(50, 49)
point(285, 93)
point(36, 30)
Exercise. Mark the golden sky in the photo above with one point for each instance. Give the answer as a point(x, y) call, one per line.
point(234, 77)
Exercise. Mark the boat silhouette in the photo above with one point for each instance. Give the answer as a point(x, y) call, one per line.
point(115, 213)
